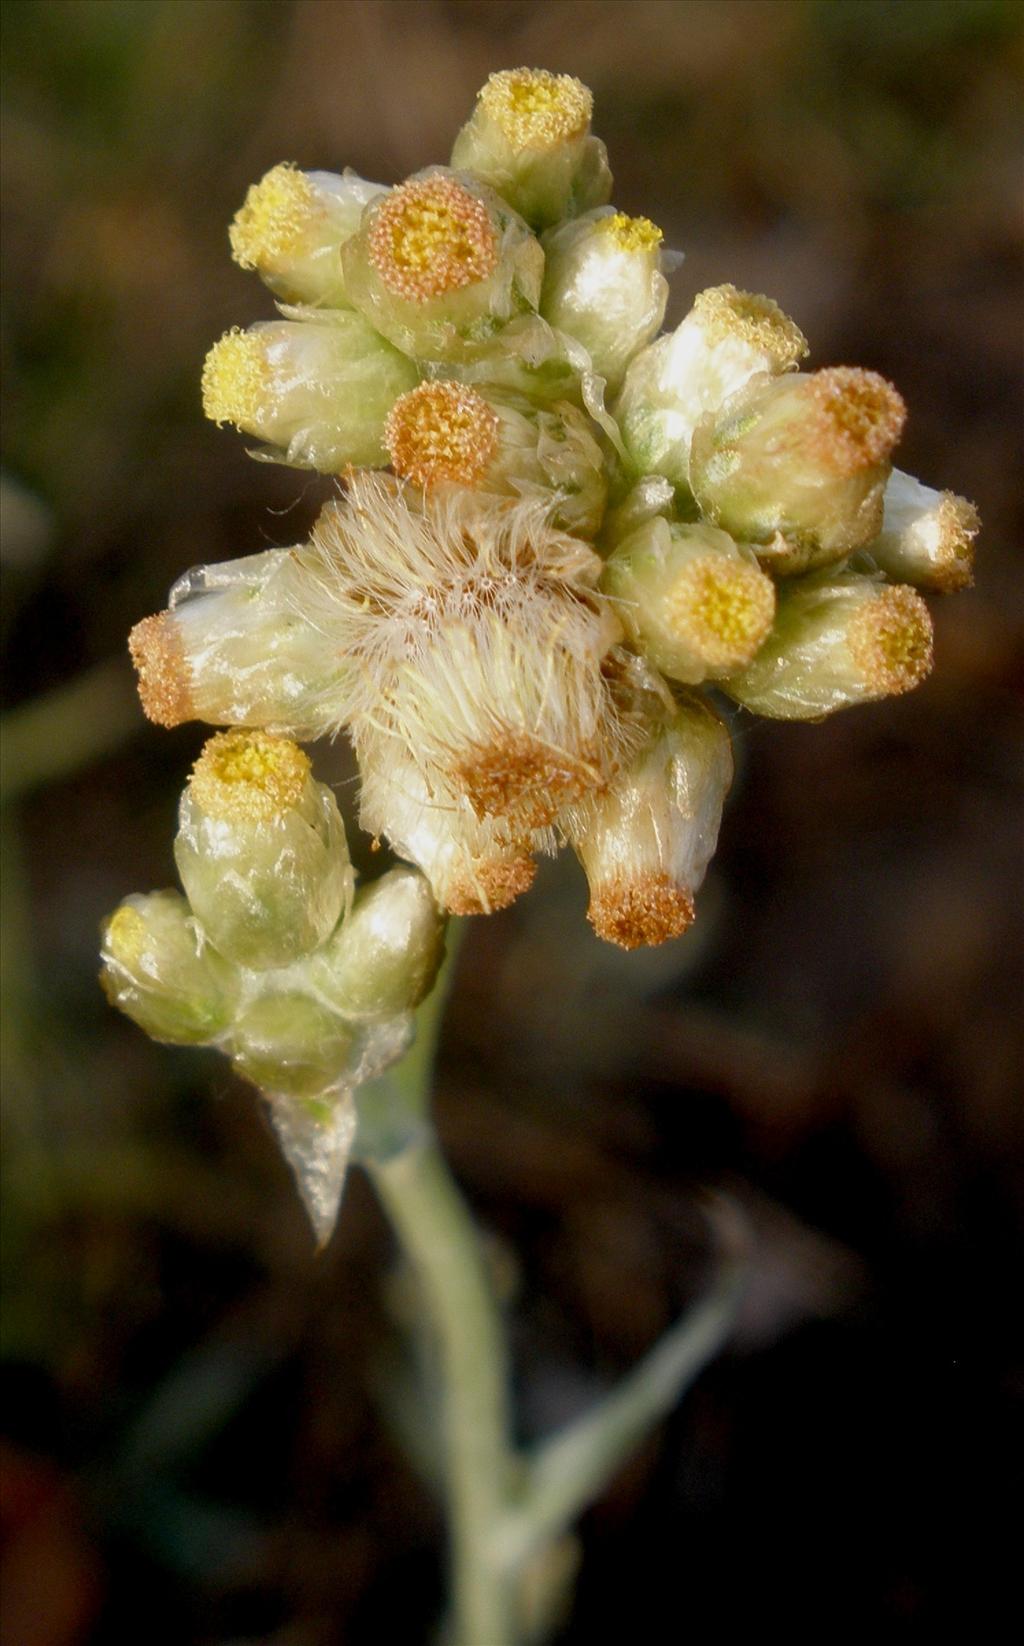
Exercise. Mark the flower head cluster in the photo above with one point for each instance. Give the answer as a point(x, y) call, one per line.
point(556, 531)
point(270, 957)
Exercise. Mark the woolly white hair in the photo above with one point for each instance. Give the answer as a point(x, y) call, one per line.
point(474, 636)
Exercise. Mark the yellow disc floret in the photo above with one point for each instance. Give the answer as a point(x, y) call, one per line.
point(631, 233)
point(725, 312)
point(236, 379)
point(723, 607)
point(125, 936)
point(441, 432)
point(890, 639)
point(249, 776)
point(536, 109)
point(274, 219)
point(431, 237)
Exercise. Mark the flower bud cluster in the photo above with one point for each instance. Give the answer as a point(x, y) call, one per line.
point(556, 533)
point(271, 956)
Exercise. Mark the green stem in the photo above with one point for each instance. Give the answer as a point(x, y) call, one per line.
point(440, 1238)
point(506, 1513)
point(399, 1150)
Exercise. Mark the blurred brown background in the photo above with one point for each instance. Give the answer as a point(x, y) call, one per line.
point(194, 1444)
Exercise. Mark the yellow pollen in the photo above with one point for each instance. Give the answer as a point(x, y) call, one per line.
point(277, 214)
point(126, 935)
point(249, 776)
point(862, 416)
point(536, 109)
point(441, 431)
point(632, 910)
point(890, 639)
point(159, 658)
point(724, 607)
point(725, 312)
point(235, 379)
point(432, 237)
point(631, 233)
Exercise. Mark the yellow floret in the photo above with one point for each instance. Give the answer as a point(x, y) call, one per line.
point(126, 936)
point(272, 222)
point(725, 312)
point(249, 776)
point(890, 638)
point(431, 237)
point(536, 109)
point(723, 607)
point(235, 379)
point(631, 233)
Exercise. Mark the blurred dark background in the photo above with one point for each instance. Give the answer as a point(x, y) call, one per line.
point(193, 1442)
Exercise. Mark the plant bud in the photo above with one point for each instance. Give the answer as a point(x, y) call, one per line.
point(160, 971)
point(384, 958)
point(839, 639)
point(728, 337)
point(473, 866)
point(798, 466)
point(529, 138)
point(292, 227)
point(316, 390)
point(604, 286)
point(690, 599)
point(646, 841)
point(261, 850)
point(449, 433)
point(651, 497)
point(290, 1045)
point(927, 537)
point(233, 649)
point(440, 264)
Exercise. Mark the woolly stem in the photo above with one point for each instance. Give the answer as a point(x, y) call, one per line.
point(505, 1511)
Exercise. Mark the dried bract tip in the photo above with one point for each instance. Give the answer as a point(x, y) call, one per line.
point(890, 638)
point(536, 109)
point(164, 686)
point(441, 432)
point(726, 314)
point(249, 776)
point(236, 379)
point(632, 910)
point(430, 237)
point(272, 221)
point(862, 417)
